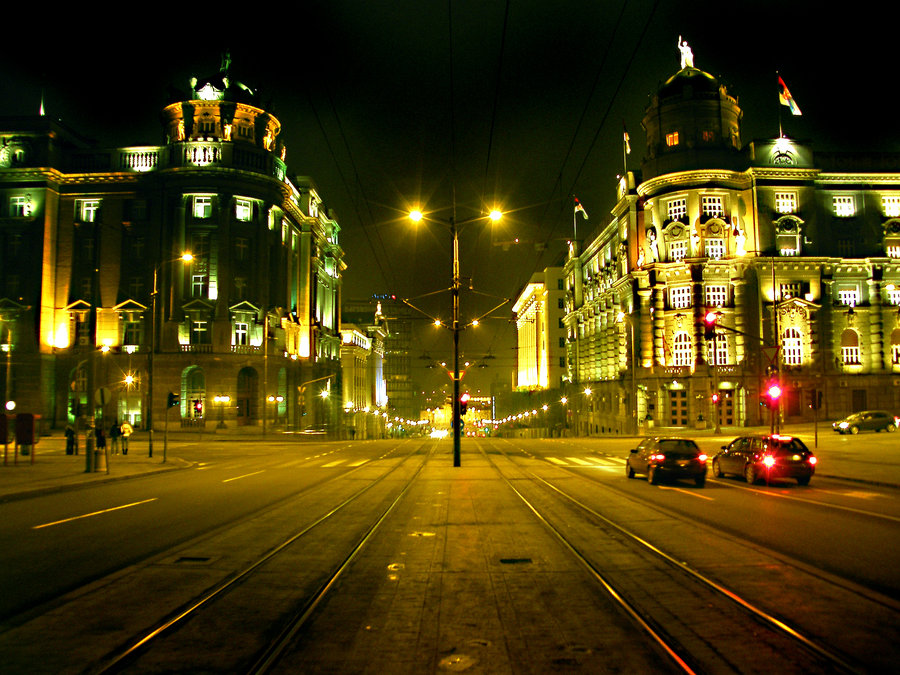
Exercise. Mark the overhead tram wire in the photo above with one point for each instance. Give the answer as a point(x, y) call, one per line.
point(487, 163)
point(347, 186)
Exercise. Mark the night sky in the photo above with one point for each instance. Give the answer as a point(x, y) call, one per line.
point(519, 104)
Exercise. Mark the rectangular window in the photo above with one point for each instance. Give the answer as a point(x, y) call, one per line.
point(87, 210)
point(792, 348)
point(893, 296)
point(241, 333)
point(560, 303)
point(708, 136)
point(672, 139)
point(850, 356)
point(19, 206)
point(676, 208)
point(893, 251)
point(199, 332)
point(845, 247)
point(241, 246)
point(202, 206)
point(848, 297)
point(678, 250)
point(131, 332)
point(891, 206)
point(715, 248)
point(786, 202)
point(716, 296)
point(680, 297)
point(243, 210)
point(720, 356)
point(844, 206)
point(682, 354)
point(199, 285)
point(793, 289)
point(712, 206)
point(895, 354)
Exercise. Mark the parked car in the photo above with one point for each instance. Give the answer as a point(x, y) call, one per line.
point(662, 457)
point(764, 457)
point(867, 420)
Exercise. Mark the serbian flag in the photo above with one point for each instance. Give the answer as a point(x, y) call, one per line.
point(626, 139)
point(784, 95)
point(580, 208)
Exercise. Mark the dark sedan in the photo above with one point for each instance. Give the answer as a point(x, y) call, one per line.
point(867, 420)
point(766, 457)
point(661, 458)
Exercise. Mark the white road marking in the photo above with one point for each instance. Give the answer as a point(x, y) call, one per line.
point(246, 475)
point(95, 513)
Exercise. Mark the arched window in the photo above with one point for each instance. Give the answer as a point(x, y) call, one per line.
point(720, 358)
point(850, 347)
point(682, 355)
point(792, 347)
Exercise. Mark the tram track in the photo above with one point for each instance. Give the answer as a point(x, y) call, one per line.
point(671, 621)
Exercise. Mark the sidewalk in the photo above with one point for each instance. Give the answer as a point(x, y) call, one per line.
point(54, 470)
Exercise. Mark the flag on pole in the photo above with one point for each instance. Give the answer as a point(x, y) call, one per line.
point(580, 208)
point(784, 96)
point(626, 139)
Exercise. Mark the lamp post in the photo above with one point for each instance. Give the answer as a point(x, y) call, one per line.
point(185, 257)
point(222, 399)
point(456, 422)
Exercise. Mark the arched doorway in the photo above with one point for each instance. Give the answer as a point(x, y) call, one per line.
point(193, 396)
point(247, 387)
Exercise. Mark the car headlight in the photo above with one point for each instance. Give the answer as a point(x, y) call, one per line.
point(843, 425)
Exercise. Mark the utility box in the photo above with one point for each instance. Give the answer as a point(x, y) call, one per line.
point(26, 431)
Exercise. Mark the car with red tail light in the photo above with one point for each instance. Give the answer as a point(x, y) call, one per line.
point(766, 457)
point(661, 458)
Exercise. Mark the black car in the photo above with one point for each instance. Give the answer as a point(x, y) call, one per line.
point(660, 457)
point(765, 457)
point(867, 420)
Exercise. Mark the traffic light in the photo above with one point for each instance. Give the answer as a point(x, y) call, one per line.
point(174, 400)
point(709, 325)
point(715, 398)
point(198, 407)
point(463, 403)
point(772, 394)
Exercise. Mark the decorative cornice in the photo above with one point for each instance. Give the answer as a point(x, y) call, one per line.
point(680, 180)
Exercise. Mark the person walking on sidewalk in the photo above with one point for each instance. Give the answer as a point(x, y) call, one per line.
point(126, 430)
point(114, 432)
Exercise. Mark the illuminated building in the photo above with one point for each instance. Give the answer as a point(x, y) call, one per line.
point(87, 233)
point(798, 255)
point(540, 333)
point(362, 372)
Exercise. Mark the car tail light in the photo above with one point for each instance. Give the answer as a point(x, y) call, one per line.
point(702, 457)
point(768, 461)
point(812, 459)
point(658, 457)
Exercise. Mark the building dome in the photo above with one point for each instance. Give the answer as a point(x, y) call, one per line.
point(692, 123)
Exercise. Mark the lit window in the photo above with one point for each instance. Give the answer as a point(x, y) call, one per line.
point(844, 206)
point(202, 206)
point(786, 202)
point(720, 356)
point(131, 331)
point(715, 248)
point(243, 210)
point(680, 297)
point(678, 250)
point(676, 208)
point(893, 295)
point(20, 206)
point(707, 136)
point(848, 297)
point(712, 206)
point(87, 210)
point(891, 206)
point(716, 296)
point(792, 347)
point(791, 290)
point(893, 251)
point(850, 348)
point(199, 284)
point(241, 333)
point(672, 139)
point(682, 354)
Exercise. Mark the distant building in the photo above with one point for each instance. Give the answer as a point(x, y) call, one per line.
point(796, 254)
point(365, 413)
point(540, 332)
point(98, 310)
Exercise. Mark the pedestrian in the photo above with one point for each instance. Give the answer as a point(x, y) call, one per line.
point(114, 432)
point(70, 439)
point(101, 438)
point(126, 430)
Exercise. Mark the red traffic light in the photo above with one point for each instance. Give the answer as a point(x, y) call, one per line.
point(773, 391)
point(710, 318)
point(464, 403)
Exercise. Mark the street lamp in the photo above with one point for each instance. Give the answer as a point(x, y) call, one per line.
point(417, 216)
point(222, 399)
point(185, 257)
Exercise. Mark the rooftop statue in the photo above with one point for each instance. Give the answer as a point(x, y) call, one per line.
point(687, 56)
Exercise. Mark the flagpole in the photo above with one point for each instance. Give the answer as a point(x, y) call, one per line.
point(780, 130)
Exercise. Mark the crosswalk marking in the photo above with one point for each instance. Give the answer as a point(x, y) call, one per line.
point(595, 462)
point(335, 463)
point(358, 463)
point(556, 461)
